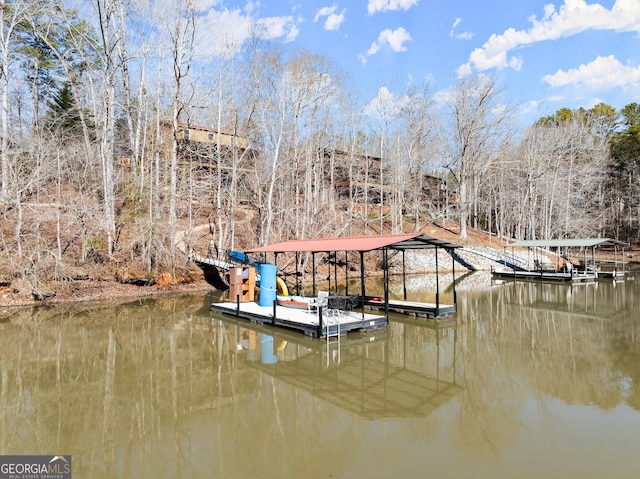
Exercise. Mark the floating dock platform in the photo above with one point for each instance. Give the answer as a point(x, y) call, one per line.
point(317, 323)
point(553, 276)
point(413, 308)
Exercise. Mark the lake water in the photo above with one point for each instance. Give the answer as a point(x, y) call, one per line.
point(527, 381)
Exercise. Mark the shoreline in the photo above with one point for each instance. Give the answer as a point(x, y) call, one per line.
point(15, 296)
point(87, 291)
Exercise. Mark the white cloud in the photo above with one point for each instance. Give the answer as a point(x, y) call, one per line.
point(333, 19)
point(556, 99)
point(573, 17)
point(271, 28)
point(161, 7)
point(222, 32)
point(251, 7)
point(594, 101)
point(394, 38)
point(325, 12)
point(461, 36)
point(204, 5)
point(464, 70)
point(529, 107)
point(385, 104)
point(389, 5)
point(443, 97)
point(464, 35)
point(603, 73)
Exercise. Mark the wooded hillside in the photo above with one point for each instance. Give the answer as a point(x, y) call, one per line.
point(97, 174)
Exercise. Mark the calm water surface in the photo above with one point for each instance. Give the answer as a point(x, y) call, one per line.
point(528, 381)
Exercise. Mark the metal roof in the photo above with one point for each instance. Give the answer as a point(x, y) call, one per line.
point(423, 241)
point(569, 243)
point(356, 243)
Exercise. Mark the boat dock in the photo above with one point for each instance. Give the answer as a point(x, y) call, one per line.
point(318, 323)
point(543, 275)
point(412, 308)
point(567, 268)
point(337, 314)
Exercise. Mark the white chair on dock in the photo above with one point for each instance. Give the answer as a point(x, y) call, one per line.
point(319, 301)
point(330, 315)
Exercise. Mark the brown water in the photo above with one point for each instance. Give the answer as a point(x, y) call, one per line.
point(528, 381)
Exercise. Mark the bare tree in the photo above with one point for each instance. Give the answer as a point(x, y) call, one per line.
point(550, 185)
point(178, 27)
point(479, 124)
point(232, 111)
point(416, 159)
point(294, 94)
point(10, 16)
point(111, 32)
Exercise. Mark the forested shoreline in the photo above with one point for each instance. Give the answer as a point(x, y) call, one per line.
point(87, 192)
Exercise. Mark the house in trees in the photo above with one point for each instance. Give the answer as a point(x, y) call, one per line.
point(219, 166)
point(209, 160)
point(369, 184)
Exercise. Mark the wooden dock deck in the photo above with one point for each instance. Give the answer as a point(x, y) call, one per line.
point(615, 275)
point(576, 276)
point(312, 323)
point(413, 308)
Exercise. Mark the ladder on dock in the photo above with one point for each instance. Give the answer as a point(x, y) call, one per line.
point(332, 336)
point(332, 328)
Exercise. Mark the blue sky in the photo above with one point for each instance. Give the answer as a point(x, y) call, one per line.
point(547, 54)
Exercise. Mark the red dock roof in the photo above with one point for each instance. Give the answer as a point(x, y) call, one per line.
point(356, 243)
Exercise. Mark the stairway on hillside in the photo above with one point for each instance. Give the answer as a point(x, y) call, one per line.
point(459, 259)
point(487, 254)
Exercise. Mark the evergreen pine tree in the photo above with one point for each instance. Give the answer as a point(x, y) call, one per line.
point(63, 117)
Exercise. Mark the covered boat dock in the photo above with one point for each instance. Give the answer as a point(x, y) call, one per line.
point(345, 312)
point(567, 267)
point(385, 244)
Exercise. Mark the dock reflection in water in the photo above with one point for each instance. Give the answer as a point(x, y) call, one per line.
point(364, 375)
point(527, 380)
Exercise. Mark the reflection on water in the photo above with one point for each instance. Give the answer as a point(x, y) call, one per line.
point(364, 375)
point(525, 381)
point(420, 288)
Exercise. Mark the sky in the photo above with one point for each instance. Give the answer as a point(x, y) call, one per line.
point(546, 55)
